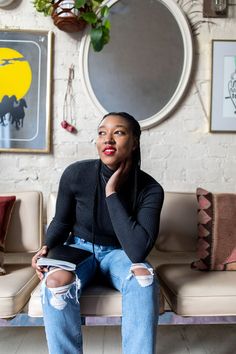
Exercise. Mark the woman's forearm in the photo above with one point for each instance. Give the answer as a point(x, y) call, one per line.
point(137, 235)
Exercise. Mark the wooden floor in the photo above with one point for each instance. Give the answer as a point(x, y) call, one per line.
point(179, 339)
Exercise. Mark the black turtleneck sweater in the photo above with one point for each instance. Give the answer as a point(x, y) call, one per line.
point(83, 210)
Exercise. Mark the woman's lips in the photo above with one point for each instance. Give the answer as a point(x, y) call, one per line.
point(109, 150)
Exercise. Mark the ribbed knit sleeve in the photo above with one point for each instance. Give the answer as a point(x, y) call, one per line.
point(62, 223)
point(137, 234)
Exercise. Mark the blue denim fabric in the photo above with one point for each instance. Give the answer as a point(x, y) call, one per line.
point(139, 304)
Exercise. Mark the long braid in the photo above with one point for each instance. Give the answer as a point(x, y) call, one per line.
point(98, 169)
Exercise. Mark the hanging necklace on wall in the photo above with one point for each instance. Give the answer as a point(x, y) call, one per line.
point(68, 122)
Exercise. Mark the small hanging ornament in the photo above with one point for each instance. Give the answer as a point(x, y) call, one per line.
point(68, 122)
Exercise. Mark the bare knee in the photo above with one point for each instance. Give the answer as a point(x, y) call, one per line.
point(140, 270)
point(142, 273)
point(59, 278)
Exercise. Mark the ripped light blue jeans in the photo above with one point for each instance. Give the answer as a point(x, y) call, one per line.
point(139, 302)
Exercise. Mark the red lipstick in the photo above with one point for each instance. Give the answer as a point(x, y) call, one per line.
point(109, 150)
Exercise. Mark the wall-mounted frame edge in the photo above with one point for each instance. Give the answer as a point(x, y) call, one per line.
point(48, 99)
point(211, 129)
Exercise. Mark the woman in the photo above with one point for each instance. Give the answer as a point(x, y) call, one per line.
point(110, 208)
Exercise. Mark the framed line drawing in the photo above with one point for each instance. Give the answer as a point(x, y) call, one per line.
point(223, 86)
point(25, 90)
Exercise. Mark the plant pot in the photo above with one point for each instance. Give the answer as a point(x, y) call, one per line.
point(66, 17)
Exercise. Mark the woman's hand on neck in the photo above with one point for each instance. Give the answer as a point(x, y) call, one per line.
point(118, 177)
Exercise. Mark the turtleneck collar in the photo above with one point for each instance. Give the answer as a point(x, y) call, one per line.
point(106, 171)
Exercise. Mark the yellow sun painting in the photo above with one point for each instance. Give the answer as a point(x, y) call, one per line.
point(15, 74)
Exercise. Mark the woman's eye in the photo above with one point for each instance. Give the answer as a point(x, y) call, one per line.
point(101, 132)
point(120, 132)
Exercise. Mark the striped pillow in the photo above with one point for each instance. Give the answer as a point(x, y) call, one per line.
point(216, 231)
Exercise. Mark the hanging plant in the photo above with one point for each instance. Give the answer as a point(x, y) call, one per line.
point(74, 15)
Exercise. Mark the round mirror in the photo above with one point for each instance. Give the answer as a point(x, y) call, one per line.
point(146, 66)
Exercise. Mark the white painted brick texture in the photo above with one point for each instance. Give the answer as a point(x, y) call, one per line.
point(180, 153)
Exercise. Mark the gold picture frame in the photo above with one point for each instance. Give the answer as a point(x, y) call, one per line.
point(25, 90)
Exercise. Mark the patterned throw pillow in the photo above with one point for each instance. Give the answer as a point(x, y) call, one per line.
point(6, 206)
point(216, 231)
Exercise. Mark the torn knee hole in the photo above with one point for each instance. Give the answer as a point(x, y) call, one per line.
point(141, 269)
point(60, 294)
point(58, 278)
point(142, 273)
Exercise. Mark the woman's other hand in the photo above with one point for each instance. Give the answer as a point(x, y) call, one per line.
point(118, 177)
point(39, 270)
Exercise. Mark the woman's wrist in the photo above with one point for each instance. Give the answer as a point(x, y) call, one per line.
point(109, 192)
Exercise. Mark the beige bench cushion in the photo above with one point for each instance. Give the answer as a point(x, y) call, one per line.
point(15, 288)
point(196, 293)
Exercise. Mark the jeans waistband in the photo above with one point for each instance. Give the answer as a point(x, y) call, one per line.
point(78, 240)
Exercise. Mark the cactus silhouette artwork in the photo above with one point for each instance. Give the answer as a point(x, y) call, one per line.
point(15, 82)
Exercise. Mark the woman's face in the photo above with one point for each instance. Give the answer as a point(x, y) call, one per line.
point(115, 141)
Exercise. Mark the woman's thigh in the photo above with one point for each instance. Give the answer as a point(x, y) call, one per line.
point(115, 266)
point(118, 268)
point(86, 270)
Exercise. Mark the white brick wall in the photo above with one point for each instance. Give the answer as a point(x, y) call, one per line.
point(180, 152)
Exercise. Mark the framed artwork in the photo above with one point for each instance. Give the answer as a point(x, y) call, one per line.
point(25, 90)
point(223, 86)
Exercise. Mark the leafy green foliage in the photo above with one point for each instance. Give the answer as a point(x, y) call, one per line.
point(79, 3)
point(96, 16)
point(44, 6)
point(92, 12)
point(89, 17)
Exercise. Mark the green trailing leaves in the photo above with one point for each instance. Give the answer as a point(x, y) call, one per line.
point(99, 37)
point(104, 11)
point(79, 3)
point(100, 25)
point(107, 24)
point(95, 4)
point(96, 38)
point(92, 12)
point(106, 35)
point(44, 6)
point(89, 17)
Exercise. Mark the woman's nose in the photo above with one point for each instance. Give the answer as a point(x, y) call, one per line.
point(109, 139)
